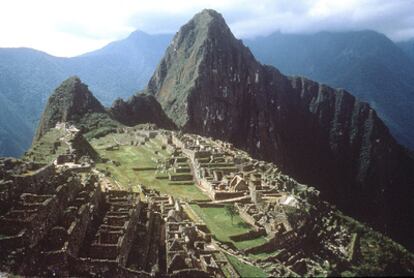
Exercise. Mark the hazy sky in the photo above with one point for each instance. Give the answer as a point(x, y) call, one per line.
point(71, 27)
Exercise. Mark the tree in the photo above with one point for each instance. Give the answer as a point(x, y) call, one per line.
point(231, 211)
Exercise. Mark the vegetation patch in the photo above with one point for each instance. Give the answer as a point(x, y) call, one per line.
point(222, 226)
point(96, 125)
point(129, 158)
point(47, 148)
point(245, 270)
point(375, 253)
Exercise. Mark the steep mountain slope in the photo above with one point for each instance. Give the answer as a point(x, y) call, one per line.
point(27, 77)
point(72, 102)
point(407, 47)
point(209, 83)
point(366, 63)
point(12, 139)
point(139, 109)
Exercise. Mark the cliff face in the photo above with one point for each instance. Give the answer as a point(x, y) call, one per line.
point(140, 108)
point(70, 102)
point(366, 63)
point(209, 83)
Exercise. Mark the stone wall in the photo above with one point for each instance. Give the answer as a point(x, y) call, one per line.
point(222, 195)
point(248, 236)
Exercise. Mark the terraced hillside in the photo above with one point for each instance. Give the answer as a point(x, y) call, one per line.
point(248, 217)
point(329, 244)
point(132, 165)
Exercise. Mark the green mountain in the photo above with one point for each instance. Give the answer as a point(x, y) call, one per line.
point(12, 139)
point(27, 77)
point(210, 84)
point(73, 116)
point(366, 63)
point(73, 103)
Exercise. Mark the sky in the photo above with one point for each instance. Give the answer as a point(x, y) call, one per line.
point(72, 27)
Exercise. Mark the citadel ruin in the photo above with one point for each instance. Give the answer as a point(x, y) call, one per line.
point(68, 218)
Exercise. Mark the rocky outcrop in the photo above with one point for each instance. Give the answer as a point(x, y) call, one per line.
point(209, 83)
point(73, 103)
point(70, 102)
point(139, 109)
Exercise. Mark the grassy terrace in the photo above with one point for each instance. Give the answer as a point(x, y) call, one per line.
point(221, 226)
point(245, 270)
point(142, 156)
point(42, 151)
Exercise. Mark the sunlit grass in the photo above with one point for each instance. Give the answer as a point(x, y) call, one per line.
point(245, 270)
point(222, 227)
point(142, 156)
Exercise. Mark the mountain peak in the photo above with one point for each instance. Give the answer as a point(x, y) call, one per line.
point(73, 79)
point(209, 20)
point(68, 103)
point(210, 84)
point(71, 85)
point(208, 24)
point(77, 94)
point(138, 35)
point(200, 48)
point(209, 15)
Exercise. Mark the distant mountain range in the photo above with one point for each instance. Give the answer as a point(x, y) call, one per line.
point(366, 63)
point(407, 47)
point(28, 77)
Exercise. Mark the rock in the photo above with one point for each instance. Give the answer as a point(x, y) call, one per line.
point(70, 102)
point(140, 108)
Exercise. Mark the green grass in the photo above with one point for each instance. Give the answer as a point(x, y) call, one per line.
point(42, 150)
point(221, 226)
point(97, 125)
point(131, 157)
point(245, 270)
point(226, 268)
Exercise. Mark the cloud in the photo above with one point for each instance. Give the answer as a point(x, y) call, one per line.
point(68, 28)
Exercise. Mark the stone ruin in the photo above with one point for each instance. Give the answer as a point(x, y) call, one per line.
point(57, 222)
point(288, 214)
